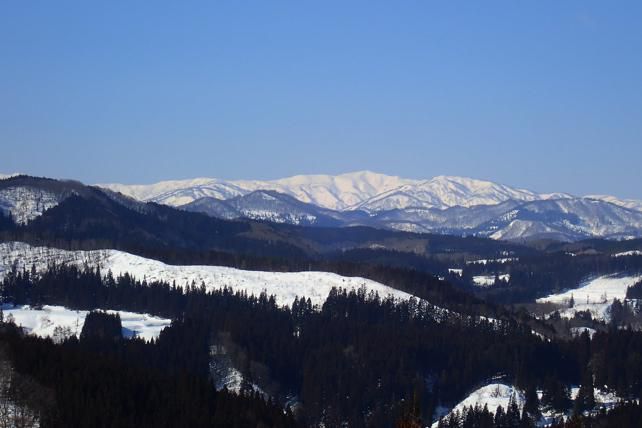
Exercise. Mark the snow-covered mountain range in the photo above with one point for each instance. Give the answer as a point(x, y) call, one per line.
point(444, 204)
point(339, 192)
point(363, 190)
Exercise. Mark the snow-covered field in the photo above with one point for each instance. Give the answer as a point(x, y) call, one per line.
point(493, 396)
point(43, 322)
point(595, 296)
point(284, 286)
point(596, 291)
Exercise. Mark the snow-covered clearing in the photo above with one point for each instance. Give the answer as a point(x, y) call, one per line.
point(486, 261)
point(285, 286)
point(489, 280)
point(43, 322)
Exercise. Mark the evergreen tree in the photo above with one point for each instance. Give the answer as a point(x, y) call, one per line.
point(585, 399)
point(531, 403)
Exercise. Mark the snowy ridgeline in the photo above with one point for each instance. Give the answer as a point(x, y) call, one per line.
point(499, 394)
point(58, 322)
point(595, 296)
point(284, 286)
point(628, 253)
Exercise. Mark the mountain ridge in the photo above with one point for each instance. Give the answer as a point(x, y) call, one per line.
point(445, 205)
point(360, 190)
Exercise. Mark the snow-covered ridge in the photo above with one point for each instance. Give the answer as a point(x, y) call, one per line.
point(446, 191)
point(628, 253)
point(3, 176)
point(285, 286)
point(334, 192)
point(632, 204)
point(51, 320)
point(362, 190)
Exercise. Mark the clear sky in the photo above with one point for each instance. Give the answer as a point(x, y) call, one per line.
point(545, 95)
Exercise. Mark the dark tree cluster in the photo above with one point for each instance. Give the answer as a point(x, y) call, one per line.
point(96, 382)
point(354, 360)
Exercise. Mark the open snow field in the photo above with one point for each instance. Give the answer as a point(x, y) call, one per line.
point(595, 296)
point(595, 291)
point(43, 322)
point(284, 286)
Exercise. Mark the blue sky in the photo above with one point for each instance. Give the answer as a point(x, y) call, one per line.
point(545, 95)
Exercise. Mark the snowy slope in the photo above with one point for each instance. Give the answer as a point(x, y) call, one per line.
point(43, 322)
point(284, 286)
point(493, 396)
point(26, 203)
point(607, 287)
point(595, 296)
point(498, 394)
